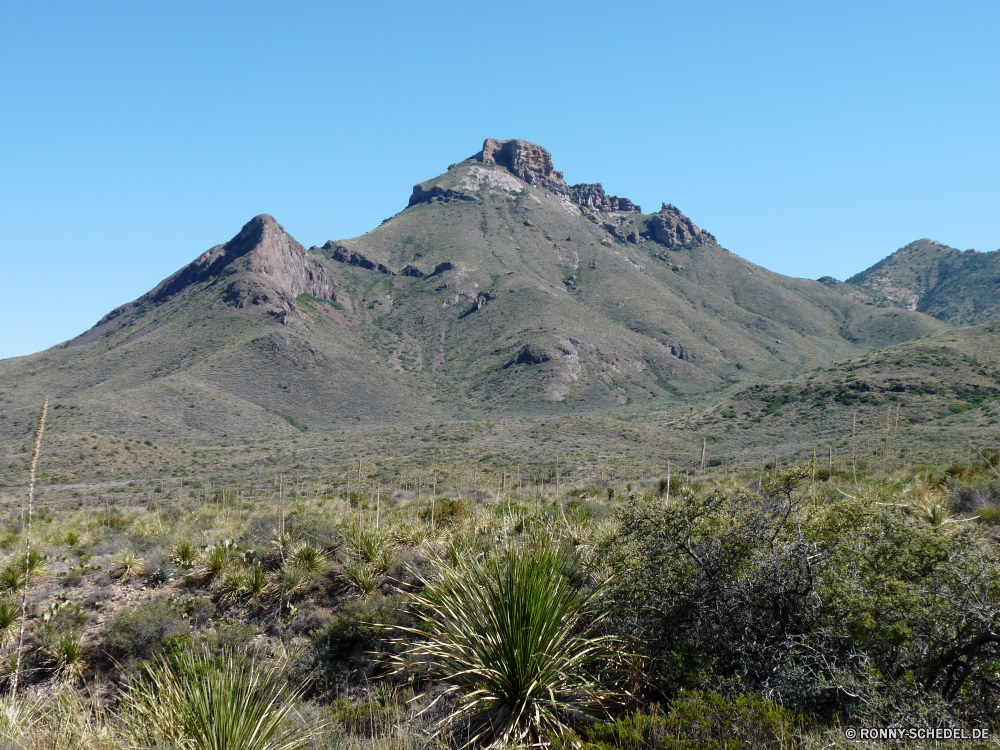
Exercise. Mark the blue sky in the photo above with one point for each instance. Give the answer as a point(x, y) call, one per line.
point(812, 138)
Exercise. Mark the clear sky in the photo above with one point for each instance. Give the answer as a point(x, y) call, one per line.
point(812, 138)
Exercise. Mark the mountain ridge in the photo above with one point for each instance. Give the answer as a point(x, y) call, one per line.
point(499, 289)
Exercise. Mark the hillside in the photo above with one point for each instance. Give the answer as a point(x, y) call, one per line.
point(960, 288)
point(499, 289)
point(937, 393)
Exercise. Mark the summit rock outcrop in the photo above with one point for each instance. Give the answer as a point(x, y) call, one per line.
point(525, 160)
point(670, 227)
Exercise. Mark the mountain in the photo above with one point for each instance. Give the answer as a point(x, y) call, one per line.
point(500, 289)
point(960, 288)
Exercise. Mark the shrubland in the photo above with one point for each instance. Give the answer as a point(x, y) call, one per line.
point(771, 608)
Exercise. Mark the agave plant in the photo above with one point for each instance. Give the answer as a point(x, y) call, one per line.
point(514, 640)
point(128, 566)
point(197, 701)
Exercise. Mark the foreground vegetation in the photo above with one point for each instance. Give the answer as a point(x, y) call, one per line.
point(763, 609)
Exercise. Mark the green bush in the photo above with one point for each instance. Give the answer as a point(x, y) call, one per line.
point(139, 633)
point(447, 511)
point(856, 608)
point(349, 639)
point(699, 721)
point(230, 637)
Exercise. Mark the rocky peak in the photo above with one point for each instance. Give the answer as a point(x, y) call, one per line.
point(670, 227)
point(526, 160)
point(279, 270)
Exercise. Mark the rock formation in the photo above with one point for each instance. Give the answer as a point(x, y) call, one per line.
point(269, 266)
point(670, 227)
point(528, 161)
point(593, 196)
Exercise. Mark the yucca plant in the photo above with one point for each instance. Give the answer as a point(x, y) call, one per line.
point(308, 556)
point(185, 554)
point(19, 715)
point(36, 563)
point(216, 558)
point(198, 702)
point(281, 542)
point(9, 611)
point(364, 578)
point(128, 566)
point(232, 585)
point(68, 654)
point(514, 639)
point(368, 545)
point(256, 582)
point(12, 577)
point(409, 535)
point(291, 582)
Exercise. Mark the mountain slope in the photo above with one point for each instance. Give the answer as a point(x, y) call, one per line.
point(499, 288)
point(960, 288)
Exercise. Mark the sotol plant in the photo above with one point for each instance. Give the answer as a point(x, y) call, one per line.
point(198, 701)
point(514, 639)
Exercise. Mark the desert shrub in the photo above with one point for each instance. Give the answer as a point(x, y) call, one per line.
point(371, 718)
point(139, 633)
point(972, 498)
point(857, 607)
point(447, 511)
point(229, 637)
point(699, 720)
point(351, 638)
point(319, 528)
point(200, 609)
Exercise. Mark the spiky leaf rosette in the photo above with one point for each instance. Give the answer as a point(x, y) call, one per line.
point(198, 702)
point(515, 640)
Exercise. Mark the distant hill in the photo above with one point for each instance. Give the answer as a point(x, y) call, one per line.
point(500, 289)
point(931, 391)
point(960, 288)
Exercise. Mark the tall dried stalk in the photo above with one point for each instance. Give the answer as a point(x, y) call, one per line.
point(27, 544)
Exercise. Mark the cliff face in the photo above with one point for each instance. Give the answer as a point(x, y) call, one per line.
point(527, 161)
